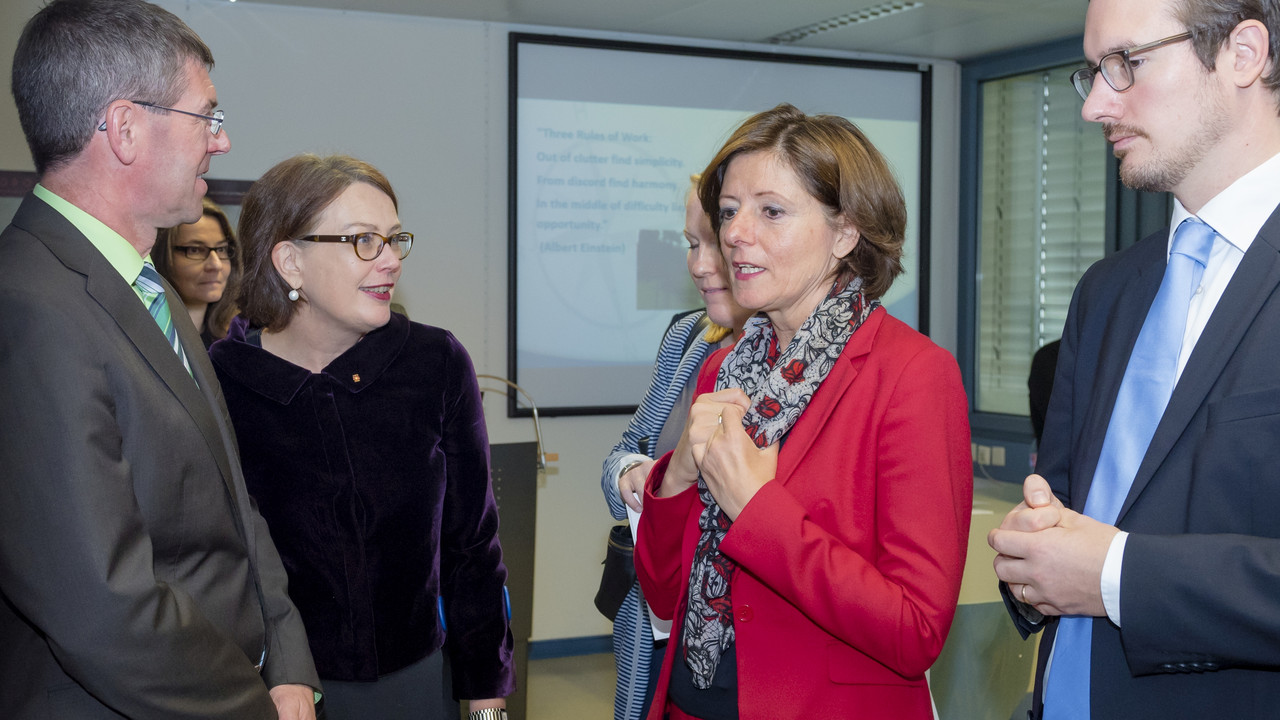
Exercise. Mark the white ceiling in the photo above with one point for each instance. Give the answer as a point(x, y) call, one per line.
point(949, 29)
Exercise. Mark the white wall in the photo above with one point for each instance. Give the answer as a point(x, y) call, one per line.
point(425, 100)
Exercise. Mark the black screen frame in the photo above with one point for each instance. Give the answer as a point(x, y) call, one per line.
point(516, 39)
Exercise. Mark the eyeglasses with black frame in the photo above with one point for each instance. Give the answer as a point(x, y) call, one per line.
point(215, 120)
point(1117, 67)
point(200, 253)
point(368, 245)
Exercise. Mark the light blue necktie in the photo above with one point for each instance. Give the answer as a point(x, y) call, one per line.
point(152, 291)
point(1144, 393)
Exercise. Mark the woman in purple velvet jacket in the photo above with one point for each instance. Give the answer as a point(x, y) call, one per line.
point(364, 445)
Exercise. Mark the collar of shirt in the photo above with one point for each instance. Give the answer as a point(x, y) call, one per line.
point(122, 256)
point(1239, 212)
point(273, 377)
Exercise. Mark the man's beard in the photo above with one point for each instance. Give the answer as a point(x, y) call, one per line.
point(1166, 168)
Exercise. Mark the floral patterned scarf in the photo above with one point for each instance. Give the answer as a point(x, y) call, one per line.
point(780, 385)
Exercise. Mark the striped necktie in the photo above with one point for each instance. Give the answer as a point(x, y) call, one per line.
point(152, 292)
point(1144, 392)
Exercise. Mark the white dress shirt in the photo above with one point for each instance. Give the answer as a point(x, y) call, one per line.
point(1237, 214)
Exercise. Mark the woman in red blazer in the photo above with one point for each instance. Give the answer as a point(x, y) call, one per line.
point(808, 533)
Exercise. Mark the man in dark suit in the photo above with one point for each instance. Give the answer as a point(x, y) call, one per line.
point(1148, 544)
point(137, 579)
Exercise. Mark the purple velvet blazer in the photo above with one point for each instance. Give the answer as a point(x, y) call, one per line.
point(373, 476)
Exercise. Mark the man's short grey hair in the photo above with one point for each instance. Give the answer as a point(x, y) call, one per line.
point(77, 56)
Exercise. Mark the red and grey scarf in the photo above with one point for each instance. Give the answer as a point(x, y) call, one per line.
point(780, 385)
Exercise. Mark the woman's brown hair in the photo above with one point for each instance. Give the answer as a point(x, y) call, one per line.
point(218, 315)
point(841, 169)
point(281, 206)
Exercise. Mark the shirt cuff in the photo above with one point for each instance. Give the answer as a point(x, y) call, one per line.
point(627, 460)
point(622, 463)
point(1111, 569)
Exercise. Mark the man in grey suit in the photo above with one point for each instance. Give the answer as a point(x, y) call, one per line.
point(1148, 544)
point(136, 577)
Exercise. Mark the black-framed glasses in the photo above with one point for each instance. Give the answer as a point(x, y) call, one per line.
point(215, 120)
point(368, 245)
point(200, 253)
point(1117, 67)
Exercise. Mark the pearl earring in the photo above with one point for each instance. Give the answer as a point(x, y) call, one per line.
point(293, 295)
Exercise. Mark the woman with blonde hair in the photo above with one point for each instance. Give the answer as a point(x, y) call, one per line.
point(653, 430)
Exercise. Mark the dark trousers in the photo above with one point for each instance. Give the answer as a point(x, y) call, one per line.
point(415, 692)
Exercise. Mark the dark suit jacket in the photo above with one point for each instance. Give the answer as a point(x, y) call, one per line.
point(1200, 588)
point(136, 577)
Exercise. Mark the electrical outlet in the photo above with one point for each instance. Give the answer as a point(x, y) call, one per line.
point(984, 454)
point(997, 455)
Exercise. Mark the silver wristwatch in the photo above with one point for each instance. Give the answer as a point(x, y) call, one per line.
point(488, 714)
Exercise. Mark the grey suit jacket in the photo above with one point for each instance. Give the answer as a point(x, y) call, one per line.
point(137, 577)
point(1200, 587)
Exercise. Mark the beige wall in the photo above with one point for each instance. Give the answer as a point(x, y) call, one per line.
point(13, 149)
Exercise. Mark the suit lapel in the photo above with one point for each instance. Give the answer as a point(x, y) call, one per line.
point(825, 399)
point(105, 286)
point(202, 397)
point(1129, 311)
point(119, 300)
point(1254, 282)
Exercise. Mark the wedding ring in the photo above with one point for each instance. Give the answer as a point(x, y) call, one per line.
point(1024, 595)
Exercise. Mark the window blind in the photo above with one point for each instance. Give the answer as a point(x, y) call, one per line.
point(1042, 215)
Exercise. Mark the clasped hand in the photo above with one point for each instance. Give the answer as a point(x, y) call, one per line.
point(715, 443)
point(1050, 555)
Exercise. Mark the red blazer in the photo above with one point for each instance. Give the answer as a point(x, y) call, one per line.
point(849, 561)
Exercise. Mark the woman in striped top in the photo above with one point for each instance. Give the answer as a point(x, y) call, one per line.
point(654, 430)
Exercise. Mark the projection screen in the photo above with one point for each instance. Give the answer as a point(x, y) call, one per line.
point(603, 138)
